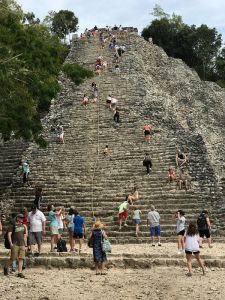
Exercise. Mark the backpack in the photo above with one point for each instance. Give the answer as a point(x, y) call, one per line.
point(201, 221)
point(6, 240)
point(61, 246)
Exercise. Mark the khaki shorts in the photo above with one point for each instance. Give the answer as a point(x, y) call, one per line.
point(54, 230)
point(17, 252)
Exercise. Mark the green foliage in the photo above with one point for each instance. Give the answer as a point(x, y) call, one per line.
point(30, 60)
point(199, 46)
point(77, 73)
point(62, 23)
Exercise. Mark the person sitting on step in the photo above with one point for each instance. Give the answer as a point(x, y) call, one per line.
point(181, 158)
point(94, 92)
point(107, 151)
point(85, 100)
point(133, 196)
point(171, 176)
point(183, 180)
point(147, 129)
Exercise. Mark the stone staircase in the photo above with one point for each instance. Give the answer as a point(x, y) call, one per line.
point(77, 173)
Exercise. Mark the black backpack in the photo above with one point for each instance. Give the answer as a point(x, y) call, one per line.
point(6, 240)
point(61, 246)
point(201, 221)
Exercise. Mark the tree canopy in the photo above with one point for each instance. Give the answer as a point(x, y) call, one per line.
point(199, 47)
point(30, 61)
point(62, 23)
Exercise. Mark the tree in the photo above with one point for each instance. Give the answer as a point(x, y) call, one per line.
point(30, 59)
point(159, 13)
point(199, 47)
point(62, 23)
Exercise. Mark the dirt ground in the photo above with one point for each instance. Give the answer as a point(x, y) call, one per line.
point(157, 283)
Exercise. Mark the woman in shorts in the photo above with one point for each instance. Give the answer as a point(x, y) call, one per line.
point(70, 225)
point(53, 225)
point(137, 219)
point(180, 230)
point(192, 247)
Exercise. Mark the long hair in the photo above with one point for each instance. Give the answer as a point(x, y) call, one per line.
point(192, 229)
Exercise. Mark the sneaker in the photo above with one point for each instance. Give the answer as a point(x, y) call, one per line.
point(159, 244)
point(189, 274)
point(125, 225)
point(6, 271)
point(37, 254)
point(20, 275)
point(153, 245)
point(200, 246)
point(180, 252)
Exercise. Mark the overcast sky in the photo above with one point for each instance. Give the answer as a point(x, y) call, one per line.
point(134, 13)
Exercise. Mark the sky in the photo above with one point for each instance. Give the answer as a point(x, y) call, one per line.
point(136, 13)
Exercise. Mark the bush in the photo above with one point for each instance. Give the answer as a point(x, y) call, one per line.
point(77, 73)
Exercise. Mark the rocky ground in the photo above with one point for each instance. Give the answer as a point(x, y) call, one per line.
point(42, 283)
point(156, 283)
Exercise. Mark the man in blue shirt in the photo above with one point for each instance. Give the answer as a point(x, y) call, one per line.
point(79, 228)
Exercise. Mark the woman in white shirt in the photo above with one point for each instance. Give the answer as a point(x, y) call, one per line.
point(192, 247)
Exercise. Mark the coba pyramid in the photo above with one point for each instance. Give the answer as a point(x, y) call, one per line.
point(184, 112)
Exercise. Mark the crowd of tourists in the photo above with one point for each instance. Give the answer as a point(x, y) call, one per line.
point(27, 229)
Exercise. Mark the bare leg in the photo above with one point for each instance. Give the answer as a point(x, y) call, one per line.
point(200, 262)
point(209, 240)
point(20, 265)
point(189, 264)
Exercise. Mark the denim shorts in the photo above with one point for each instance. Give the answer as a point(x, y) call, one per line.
point(136, 221)
point(155, 231)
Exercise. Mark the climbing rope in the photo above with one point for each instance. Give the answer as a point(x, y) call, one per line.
point(98, 150)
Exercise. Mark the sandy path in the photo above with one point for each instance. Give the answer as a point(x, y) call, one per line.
point(157, 283)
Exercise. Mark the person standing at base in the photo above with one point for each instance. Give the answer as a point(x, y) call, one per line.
point(53, 226)
point(180, 230)
point(204, 228)
point(37, 223)
point(98, 234)
point(17, 236)
point(79, 229)
point(192, 247)
point(153, 220)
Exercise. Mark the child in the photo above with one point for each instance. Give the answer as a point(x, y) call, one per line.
point(171, 175)
point(180, 230)
point(192, 247)
point(137, 219)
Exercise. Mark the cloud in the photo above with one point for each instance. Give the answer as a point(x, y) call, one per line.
point(132, 12)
